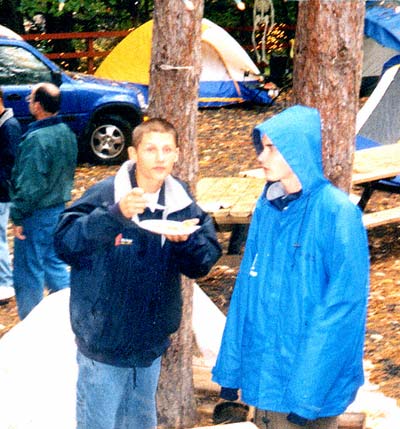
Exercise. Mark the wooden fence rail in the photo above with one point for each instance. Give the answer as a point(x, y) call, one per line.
point(90, 51)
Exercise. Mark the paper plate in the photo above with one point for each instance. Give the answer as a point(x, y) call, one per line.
point(168, 227)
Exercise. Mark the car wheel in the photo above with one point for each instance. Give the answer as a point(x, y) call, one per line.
point(109, 138)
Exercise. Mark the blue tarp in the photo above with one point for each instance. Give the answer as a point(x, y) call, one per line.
point(383, 25)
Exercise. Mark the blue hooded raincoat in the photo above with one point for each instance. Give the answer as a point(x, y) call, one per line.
point(294, 335)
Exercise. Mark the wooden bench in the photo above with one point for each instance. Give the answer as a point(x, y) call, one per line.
point(382, 217)
point(370, 220)
point(229, 200)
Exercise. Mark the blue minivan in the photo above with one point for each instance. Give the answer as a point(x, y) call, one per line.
point(101, 112)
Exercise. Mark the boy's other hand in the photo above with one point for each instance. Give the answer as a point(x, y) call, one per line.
point(19, 232)
point(133, 203)
point(182, 237)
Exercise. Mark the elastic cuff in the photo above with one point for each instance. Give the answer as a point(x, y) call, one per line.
point(229, 394)
point(296, 419)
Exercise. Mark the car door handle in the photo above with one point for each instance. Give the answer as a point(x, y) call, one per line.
point(14, 97)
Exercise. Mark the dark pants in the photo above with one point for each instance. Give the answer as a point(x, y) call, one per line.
point(274, 420)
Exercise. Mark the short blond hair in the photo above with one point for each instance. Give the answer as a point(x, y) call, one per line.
point(154, 125)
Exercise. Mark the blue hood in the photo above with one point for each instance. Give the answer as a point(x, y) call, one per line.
point(296, 133)
point(383, 25)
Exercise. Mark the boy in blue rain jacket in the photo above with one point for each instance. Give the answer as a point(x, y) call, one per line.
point(294, 336)
point(125, 280)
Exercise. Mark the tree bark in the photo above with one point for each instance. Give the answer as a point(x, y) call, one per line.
point(327, 76)
point(173, 95)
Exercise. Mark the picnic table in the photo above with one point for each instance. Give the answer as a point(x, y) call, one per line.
point(231, 200)
point(370, 167)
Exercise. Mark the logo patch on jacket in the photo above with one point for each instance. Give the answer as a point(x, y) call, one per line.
point(121, 241)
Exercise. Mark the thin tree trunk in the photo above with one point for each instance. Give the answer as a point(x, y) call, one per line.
point(327, 75)
point(174, 80)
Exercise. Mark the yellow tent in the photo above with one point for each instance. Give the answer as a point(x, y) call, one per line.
point(228, 74)
point(130, 59)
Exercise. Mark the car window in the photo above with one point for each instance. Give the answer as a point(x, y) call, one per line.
point(19, 67)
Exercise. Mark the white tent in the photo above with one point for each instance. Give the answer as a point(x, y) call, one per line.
point(4, 31)
point(38, 370)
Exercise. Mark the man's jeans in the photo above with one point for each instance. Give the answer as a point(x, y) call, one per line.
point(35, 262)
point(110, 397)
point(5, 268)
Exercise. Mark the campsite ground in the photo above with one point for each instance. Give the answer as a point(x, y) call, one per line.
point(225, 149)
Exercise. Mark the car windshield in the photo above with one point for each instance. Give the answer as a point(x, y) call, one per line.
point(19, 67)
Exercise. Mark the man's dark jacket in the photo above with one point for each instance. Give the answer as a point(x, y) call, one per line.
point(125, 281)
point(43, 174)
point(10, 136)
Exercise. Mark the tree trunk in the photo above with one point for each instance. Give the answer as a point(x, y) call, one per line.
point(327, 75)
point(173, 95)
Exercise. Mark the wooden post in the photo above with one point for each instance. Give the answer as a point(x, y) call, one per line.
point(352, 421)
point(91, 55)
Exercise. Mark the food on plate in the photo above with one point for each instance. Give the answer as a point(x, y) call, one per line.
point(169, 227)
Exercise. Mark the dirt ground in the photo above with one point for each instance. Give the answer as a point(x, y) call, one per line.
point(225, 149)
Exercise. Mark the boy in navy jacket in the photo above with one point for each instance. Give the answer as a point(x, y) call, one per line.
point(125, 280)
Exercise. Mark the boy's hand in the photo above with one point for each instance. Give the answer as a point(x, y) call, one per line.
point(19, 232)
point(182, 237)
point(133, 203)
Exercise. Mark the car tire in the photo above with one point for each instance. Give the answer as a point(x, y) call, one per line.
point(108, 140)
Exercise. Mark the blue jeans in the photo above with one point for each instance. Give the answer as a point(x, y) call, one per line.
point(110, 397)
point(36, 264)
point(5, 266)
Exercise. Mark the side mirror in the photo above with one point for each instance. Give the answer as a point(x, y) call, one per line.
point(56, 77)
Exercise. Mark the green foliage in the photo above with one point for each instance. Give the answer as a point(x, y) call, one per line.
point(286, 11)
point(226, 14)
point(108, 15)
point(87, 15)
point(95, 15)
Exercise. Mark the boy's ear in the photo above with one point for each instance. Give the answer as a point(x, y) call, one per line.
point(132, 153)
point(176, 155)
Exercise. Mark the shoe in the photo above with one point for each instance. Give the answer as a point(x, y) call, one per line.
point(6, 293)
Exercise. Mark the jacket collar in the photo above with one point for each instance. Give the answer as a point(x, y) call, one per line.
point(8, 113)
point(278, 197)
point(53, 120)
point(176, 197)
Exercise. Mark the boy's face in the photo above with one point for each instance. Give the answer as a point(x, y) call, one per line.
point(273, 163)
point(155, 157)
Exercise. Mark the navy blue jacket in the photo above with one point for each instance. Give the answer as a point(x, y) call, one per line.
point(10, 137)
point(125, 281)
